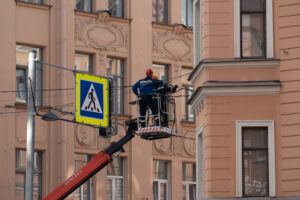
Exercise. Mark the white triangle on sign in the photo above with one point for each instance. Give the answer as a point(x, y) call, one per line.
point(91, 102)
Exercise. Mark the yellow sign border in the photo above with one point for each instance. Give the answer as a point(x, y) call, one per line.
point(87, 120)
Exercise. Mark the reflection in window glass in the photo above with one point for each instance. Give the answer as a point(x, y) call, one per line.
point(116, 8)
point(33, 1)
point(161, 71)
point(84, 5)
point(187, 12)
point(116, 67)
point(159, 11)
point(253, 28)
point(255, 161)
point(83, 62)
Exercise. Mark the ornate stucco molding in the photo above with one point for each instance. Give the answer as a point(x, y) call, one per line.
point(101, 33)
point(175, 44)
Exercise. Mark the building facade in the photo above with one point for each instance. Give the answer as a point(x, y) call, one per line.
point(246, 99)
point(118, 37)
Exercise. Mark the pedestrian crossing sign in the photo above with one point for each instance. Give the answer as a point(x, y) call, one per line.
point(91, 100)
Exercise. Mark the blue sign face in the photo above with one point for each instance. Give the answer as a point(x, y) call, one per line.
point(91, 100)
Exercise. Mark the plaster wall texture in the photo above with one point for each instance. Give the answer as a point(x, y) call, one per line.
point(218, 113)
point(60, 32)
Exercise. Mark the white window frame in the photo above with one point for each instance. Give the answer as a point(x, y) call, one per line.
point(162, 181)
point(271, 153)
point(200, 162)
point(166, 181)
point(113, 185)
point(269, 29)
point(187, 188)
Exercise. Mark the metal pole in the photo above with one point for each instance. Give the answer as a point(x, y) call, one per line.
point(116, 102)
point(30, 127)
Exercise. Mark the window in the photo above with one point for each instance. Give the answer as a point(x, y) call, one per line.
point(187, 12)
point(84, 192)
point(84, 5)
point(116, 8)
point(116, 67)
point(253, 14)
point(161, 71)
point(188, 114)
point(83, 62)
point(160, 11)
point(189, 181)
point(33, 1)
point(22, 55)
point(161, 180)
point(115, 171)
point(255, 159)
point(20, 175)
point(253, 29)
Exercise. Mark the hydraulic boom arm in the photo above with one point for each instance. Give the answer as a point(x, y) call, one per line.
point(99, 161)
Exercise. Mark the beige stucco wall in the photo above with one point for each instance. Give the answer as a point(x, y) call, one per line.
point(218, 114)
point(60, 32)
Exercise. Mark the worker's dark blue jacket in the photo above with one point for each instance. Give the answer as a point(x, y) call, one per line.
point(146, 86)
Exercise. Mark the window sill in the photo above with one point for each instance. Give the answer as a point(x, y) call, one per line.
point(188, 122)
point(33, 5)
point(96, 13)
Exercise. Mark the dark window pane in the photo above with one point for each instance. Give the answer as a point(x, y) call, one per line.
point(255, 137)
point(255, 173)
point(189, 172)
point(192, 192)
point(163, 191)
point(115, 168)
point(253, 35)
point(33, 1)
point(83, 5)
point(21, 84)
point(155, 190)
point(116, 8)
point(159, 11)
point(183, 192)
point(160, 169)
point(253, 5)
point(19, 186)
point(161, 71)
point(190, 13)
point(109, 189)
point(119, 189)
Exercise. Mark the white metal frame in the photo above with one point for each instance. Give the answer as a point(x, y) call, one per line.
point(160, 181)
point(271, 153)
point(187, 184)
point(200, 163)
point(269, 29)
point(113, 187)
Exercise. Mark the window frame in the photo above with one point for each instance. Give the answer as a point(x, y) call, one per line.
point(113, 180)
point(162, 181)
point(263, 13)
point(91, 9)
point(122, 83)
point(37, 171)
point(189, 183)
point(89, 181)
point(38, 101)
point(243, 167)
point(28, 1)
point(123, 8)
point(186, 20)
point(166, 9)
point(91, 57)
point(271, 154)
point(269, 32)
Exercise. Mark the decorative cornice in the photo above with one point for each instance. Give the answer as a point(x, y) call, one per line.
point(174, 43)
point(231, 63)
point(223, 88)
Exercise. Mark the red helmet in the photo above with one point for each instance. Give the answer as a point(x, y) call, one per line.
point(149, 72)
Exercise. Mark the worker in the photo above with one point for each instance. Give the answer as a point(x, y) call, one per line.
point(144, 89)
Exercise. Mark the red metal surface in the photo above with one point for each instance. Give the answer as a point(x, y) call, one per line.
point(90, 168)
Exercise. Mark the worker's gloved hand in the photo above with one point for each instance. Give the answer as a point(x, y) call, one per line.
point(174, 88)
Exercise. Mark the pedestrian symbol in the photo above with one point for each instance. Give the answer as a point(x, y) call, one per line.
point(91, 100)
